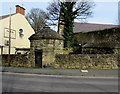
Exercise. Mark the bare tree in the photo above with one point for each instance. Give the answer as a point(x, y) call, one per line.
point(82, 9)
point(65, 12)
point(37, 18)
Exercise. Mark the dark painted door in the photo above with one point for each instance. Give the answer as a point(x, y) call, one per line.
point(38, 58)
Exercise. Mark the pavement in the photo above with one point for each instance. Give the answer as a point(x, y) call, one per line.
point(65, 72)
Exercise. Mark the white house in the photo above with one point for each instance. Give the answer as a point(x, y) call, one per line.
point(20, 32)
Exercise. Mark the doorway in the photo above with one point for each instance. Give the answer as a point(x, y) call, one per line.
point(38, 58)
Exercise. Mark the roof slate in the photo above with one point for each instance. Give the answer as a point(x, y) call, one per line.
point(87, 27)
point(46, 33)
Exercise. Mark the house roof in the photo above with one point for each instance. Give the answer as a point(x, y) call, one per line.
point(88, 27)
point(5, 16)
point(46, 33)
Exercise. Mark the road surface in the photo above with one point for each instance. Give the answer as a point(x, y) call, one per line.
point(18, 82)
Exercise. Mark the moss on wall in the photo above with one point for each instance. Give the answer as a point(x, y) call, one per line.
point(87, 61)
point(108, 39)
point(107, 35)
point(16, 60)
point(74, 61)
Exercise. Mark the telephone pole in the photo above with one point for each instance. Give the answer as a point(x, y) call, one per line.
point(9, 49)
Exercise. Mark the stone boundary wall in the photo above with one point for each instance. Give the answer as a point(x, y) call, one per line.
point(16, 60)
point(87, 61)
point(100, 36)
point(78, 61)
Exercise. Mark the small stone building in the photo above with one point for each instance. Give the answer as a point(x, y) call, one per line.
point(44, 45)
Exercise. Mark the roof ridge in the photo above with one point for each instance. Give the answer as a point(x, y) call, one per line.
point(96, 24)
point(88, 27)
point(5, 16)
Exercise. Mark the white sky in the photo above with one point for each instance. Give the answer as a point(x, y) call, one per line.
point(105, 11)
point(51, 0)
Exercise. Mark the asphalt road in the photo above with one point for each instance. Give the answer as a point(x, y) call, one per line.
point(17, 82)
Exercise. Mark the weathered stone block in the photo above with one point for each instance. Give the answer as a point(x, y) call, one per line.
point(91, 61)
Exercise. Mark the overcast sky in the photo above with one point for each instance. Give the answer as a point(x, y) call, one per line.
point(105, 11)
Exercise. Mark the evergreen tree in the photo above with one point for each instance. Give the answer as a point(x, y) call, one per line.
point(68, 23)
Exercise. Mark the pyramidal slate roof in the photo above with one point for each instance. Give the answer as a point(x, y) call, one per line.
point(88, 27)
point(46, 33)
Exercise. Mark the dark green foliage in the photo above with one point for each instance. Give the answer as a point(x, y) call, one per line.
point(68, 23)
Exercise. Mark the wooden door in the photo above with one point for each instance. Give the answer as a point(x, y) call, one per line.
point(38, 58)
